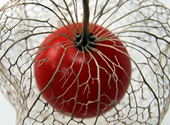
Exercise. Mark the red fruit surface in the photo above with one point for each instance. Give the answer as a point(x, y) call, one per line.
point(82, 83)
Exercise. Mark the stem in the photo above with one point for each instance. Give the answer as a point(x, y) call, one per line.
point(85, 25)
point(84, 39)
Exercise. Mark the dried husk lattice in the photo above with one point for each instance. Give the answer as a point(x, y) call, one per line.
point(143, 27)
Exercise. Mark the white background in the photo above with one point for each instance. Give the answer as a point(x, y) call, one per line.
point(7, 112)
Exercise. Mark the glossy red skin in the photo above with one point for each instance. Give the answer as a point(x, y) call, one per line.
point(73, 96)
